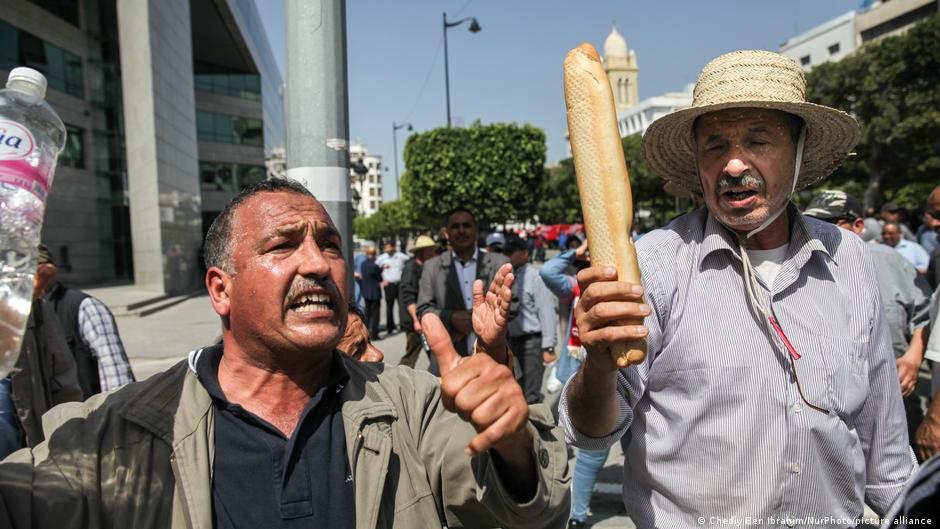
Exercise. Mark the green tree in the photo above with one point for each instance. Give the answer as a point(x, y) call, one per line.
point(392, 219)
point(561, 202)
point(892, 87)
point(493, 170)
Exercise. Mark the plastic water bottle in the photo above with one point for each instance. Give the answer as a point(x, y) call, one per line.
point(31, 138)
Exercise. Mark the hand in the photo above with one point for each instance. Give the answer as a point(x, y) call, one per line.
point(417, 325)
point(548, 356)
point(486, 394)
point(907, 373)
point(384, 284)
point(491, 311)
point(461, 322)
point(927, 437)
point(609, 312)
point(581, 250)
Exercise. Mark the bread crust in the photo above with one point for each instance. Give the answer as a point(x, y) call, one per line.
point(603, 181)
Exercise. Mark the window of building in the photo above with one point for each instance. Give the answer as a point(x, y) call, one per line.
point(245, 86)
point(223, 128)
point(834, 49)
point(229, 177)
point(73, 154)
point(804, 60)
point(62, 69)
point(67, 10)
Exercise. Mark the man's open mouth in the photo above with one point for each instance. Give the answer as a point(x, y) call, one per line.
point(737, 196)
point(312, 303)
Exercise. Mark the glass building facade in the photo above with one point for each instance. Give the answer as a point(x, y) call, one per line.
point(236, 116)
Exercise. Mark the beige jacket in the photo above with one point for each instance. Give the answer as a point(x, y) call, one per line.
point(142, 457)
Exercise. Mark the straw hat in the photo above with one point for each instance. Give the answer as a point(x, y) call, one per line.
point(750, 79)
point(422, 242)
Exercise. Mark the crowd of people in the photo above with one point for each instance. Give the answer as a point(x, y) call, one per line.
point(782, 382)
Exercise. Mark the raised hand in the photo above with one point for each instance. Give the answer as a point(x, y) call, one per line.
point(491, 311)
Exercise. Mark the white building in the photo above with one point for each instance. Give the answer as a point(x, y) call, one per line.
point(366, 186)
point(843, 35)
point(637, 118)
point(829, 41)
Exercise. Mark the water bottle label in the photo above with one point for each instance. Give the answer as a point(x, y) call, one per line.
point(16, 145)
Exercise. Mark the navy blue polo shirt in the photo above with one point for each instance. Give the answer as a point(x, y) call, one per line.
point(262, 478)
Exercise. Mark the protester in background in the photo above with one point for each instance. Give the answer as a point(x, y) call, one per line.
point(44, 376)
point(926, 235)
point(495, 242)
point(891, 212)
point(533, 322)
point(769, 353)
point(392, 263)
point(559, 276)
point(446, 287)
point(90, 331)
point(913, 252)
point(371, 286)
point(275, 427)
point(928, 434)
point(904, 295)
point(355, 341)
point(357, 276)
point(539, 246)
point(872, 226)
point(932, 221)
point(423, 249)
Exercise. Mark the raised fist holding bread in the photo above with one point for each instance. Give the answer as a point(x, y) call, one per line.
point(610, 313)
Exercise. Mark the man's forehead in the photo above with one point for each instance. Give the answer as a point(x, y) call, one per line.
point(741, 116)
point(460, 217)
point(275, 209)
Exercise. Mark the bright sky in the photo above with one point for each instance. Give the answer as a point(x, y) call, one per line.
point(511, 71)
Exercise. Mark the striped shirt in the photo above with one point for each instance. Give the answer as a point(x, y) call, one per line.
point(719, 429)
point(100, 334)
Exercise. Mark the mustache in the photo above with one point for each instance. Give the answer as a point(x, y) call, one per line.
point(742, 180)
point(303, 284)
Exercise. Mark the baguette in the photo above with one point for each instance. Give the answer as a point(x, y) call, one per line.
point(606, 199)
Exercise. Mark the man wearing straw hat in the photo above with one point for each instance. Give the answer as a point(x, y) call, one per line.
point(423, 249)
point(769, 393)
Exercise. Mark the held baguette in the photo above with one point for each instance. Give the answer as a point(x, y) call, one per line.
point(606, 199)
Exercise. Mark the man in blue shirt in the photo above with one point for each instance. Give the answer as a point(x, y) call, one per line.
point(915, 254)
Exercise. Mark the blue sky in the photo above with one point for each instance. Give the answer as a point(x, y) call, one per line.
point(511, 71)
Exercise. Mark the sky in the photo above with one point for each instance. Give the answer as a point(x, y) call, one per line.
point(511, 71)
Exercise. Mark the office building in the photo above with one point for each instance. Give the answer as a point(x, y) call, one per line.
point(171, 107)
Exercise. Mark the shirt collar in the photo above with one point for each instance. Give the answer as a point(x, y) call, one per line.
point(803, 242)
point(206, 366)
point(456, 258)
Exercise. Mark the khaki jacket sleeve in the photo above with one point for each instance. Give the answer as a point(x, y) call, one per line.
point(469, 490)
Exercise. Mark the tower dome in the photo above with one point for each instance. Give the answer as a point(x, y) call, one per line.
point(615, 45)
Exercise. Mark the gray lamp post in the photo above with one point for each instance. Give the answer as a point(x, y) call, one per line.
point(395, 128)
point(474, 28)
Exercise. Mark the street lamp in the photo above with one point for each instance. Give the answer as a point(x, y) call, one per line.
point(474, 28)
point(395, 145)
point(360, 170)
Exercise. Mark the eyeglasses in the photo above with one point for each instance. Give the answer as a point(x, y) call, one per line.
point(934, 214)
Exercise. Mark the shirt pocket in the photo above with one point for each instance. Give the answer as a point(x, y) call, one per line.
point(846, 368)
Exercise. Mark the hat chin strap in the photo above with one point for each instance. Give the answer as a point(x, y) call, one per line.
point(757, 296)
point(796, 177)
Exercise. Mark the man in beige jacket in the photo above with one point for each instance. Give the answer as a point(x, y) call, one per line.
point(275, 428)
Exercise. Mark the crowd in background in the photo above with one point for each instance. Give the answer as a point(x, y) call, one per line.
point(906, 255)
